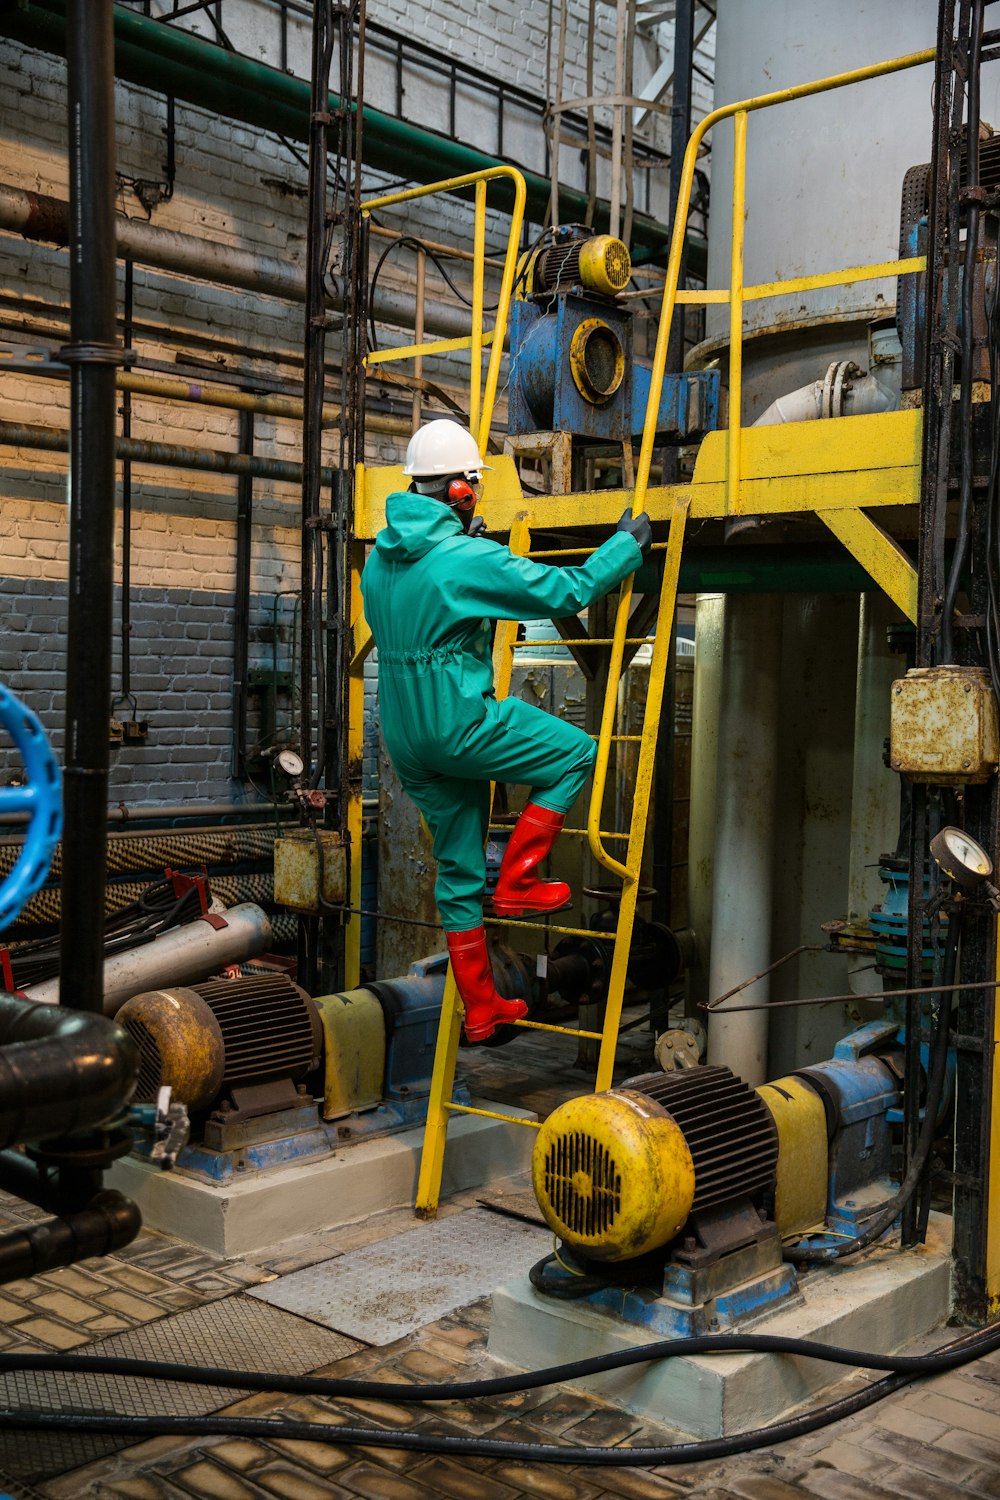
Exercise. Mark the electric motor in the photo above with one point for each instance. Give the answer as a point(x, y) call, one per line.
point(599, 263)
point(617, 1174)
point(225, 1031)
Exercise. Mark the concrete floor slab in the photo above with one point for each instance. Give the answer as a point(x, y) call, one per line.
point(261, 1209)
point(879, 1304)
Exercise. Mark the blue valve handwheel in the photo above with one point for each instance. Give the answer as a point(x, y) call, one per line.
point(40, 798)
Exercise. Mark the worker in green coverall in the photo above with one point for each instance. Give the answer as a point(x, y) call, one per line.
point(433, 586)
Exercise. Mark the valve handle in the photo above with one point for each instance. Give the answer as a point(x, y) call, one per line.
point(40, 798)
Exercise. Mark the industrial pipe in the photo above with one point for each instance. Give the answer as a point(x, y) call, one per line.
point(61, 1070)
point(107, 1223)
point(38, 217)
point(170, 60)
point(225, 397)
point(92, 354)
point(161, 456)
point(181, 956)
point(747, 791)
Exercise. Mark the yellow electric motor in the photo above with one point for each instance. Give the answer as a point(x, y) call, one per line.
point(597, 263)
point(617, 1174)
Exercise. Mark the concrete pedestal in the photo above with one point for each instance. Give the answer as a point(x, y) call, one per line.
point(879, 1304)
point(260, 1209)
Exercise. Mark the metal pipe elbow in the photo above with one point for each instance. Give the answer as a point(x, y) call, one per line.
point(60, 1070)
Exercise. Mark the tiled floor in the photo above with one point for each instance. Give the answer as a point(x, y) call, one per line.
point(939, 1439)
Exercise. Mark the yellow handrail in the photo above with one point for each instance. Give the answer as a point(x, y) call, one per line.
point(481, 399)
point(735, 296)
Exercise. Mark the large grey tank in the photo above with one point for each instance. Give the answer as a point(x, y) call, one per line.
point(824, 175)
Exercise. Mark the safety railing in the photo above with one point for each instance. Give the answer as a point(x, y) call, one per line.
point(628, 869)
point(481, 399)
point(735, 296)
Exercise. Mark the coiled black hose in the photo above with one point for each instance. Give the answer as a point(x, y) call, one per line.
point(904, 1368)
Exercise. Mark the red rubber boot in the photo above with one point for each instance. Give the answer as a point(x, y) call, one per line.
point(517, 892)
point(484, 1008)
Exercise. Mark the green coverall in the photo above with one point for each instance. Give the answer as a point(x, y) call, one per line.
point(431, 594)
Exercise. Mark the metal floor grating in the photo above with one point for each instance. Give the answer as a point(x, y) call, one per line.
point(236, 1332)
point(387, 1290)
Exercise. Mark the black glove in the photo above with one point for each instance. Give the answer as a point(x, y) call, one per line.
point(637, 527)
point(477, 527)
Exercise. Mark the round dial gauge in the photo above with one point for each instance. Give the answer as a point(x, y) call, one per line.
point(961, 857)
point(290, 763)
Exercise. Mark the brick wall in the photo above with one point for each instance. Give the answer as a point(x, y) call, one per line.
point(243, 188)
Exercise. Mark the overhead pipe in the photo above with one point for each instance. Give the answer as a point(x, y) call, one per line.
point(46, 220)
point(92, 354)
point(161, 456)
point(171, 61)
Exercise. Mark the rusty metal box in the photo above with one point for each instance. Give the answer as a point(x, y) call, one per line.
point(944, 725)
point(307, 862)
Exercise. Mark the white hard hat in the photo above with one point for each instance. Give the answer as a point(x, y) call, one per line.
point(442, 447)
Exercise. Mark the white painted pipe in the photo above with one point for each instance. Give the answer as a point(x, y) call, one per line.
point(743, 875)
point(181, 956)
point(840, 394)
point(706, 706)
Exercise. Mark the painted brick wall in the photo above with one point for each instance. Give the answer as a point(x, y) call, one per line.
point(238, 187)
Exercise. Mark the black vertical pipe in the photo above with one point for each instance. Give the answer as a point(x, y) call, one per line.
point(93, 353)
point(126, 607)
point(241, 615)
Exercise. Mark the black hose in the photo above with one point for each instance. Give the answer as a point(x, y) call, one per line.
point(563, 1288)
point(948, 1357)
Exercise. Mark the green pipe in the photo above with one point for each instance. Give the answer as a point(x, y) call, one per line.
point(168, 60)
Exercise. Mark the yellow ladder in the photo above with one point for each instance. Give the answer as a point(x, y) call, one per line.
point(852, 526)
point(440, 1104)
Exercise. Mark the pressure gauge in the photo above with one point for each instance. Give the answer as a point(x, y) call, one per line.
point(961, 858)
point(290, 763)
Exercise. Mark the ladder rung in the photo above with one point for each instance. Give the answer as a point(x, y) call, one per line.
point(563, 552)
point(621, 739)
point(597, 1036)
point(490, 1114)
point(590, 640)
point(586, 932)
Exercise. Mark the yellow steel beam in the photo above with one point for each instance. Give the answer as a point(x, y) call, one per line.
point(437, 346)
point(878, 554)
point(844, 463)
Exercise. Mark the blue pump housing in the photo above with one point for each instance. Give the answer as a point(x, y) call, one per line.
point(545, 397)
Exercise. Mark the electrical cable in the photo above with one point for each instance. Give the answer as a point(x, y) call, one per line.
point(157, 908)
point(887, 1215)
point(904, 1368)
point(411, 242)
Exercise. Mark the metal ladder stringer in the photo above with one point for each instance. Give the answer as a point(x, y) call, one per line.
point(440, 1104)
